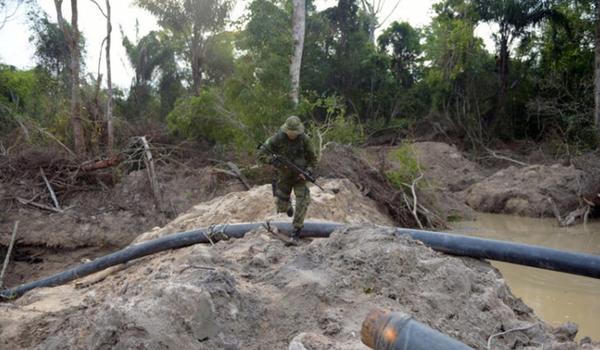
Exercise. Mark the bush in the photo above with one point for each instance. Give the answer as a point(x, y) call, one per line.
point(337, 126)
point(203, 118)
point(409, 168)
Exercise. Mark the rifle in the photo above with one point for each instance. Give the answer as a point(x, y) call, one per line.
point(277, 158)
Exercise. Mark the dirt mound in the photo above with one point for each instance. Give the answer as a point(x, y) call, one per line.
point(338, 161)
point(100, 221)
point(113, 217)
point(446, 167)
point(447, 173)
point(254, 293)
point(341, 202)
point(525, 191)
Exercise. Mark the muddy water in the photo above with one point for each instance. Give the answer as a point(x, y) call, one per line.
point(556, 297)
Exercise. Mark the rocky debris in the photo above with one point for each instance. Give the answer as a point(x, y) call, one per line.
point(314, 296)
point(525, 191)
point(312, 341)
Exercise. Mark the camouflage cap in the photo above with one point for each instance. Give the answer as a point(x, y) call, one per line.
point(293, 125)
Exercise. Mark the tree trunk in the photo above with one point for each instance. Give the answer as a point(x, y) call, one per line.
point(72, 37)
point(502, 67)
point(109, 116)
point(597, 73)
point(196, 50)
point(298, 27)
point(76, 123)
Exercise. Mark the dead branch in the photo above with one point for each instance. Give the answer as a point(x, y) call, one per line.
point(57, 141)
point(582, 211)
point(37, 205)
point(489, 342)
point(149, 163)
point(238, 173)
point(572, 216)
point(499, 156)
point(52, 194)
point(555, 211)
point(101, 164)
point(414, 208)
point(10, 248)
point(99, 276)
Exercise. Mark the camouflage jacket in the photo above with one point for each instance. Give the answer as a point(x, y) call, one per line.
point(299, 151)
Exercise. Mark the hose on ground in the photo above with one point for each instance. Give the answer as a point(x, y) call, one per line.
point(546, 258)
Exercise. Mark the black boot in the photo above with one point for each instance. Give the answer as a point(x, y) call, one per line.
point(296, 235)
point(290, 211)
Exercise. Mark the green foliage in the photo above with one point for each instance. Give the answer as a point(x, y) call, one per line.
point(408, 167)
point(202, 118)
point(402, 42)
point(460, 77)
point(338, 126)
point(151, 56)
point(351, 87)
point(191, 24)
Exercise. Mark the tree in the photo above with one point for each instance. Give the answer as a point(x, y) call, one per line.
point(459, 70)
point(8, 10)
point(402, 42)
point(149, 55)
point(514, 18)
point(298, 28)
point(109, 102)
point(373, 8)
point(562, 105)
point(51, 47)
point(193, 21)
point(72, 34)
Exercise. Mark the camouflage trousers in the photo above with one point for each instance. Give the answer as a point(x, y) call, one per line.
point(283, 200)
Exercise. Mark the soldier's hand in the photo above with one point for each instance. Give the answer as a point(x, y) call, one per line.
point(302, 177)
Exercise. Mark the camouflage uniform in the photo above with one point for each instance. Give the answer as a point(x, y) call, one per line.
point(299, 151)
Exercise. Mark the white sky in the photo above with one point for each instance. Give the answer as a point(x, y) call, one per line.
point(16, 50)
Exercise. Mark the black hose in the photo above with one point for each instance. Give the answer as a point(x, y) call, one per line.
point(172, 241)
point(384, 330)
point(516, 253)
point(552, 259)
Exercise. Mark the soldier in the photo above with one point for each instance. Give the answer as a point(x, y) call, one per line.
point(292, 143)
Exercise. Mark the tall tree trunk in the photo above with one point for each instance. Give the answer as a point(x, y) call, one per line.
point(72, 37)
point(597, 72)
point(109, 116)
point(196, 50)
point(502, 67)
point(298, 27)
point(76, 123)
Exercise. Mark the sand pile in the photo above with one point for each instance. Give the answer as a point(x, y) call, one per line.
point(340, 202)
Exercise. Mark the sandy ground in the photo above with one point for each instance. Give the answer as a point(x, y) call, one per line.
point(255, 293)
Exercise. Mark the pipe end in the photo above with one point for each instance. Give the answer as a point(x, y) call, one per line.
point(372, 325)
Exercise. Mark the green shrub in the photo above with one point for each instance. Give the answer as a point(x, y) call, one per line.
point(203, 118)
point(409, 168)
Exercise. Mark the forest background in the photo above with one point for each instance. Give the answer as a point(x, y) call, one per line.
point(228, 85)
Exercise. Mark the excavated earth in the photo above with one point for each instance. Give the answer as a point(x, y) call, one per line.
point(256, 293)
point(461, 187)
